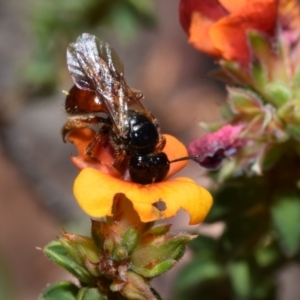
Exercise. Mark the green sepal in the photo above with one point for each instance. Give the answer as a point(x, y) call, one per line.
point(80, 248)
point(119, 253)
point(237, 72)
point(130, 239)
point(153, 253)
point(244, 101)
point(228, 168)
point(157, 269)
point(159, 229)
point(286, 216)
point(260, 45)
point(261, 50)
point(270, 56)
point(60, 291)
point(296, 79)
point(97, 233)
point(222, 75)
point(92, 267)
point(226, 113)
point(278, 93)
point(106, 235)
point(259, 74)
point(90, 294)
point(137, 288)
point(212, 127)
point(57, 253)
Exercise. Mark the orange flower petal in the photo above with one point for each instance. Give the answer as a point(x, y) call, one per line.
point(96, 188)
point(229, 34)
point(199, 34)
point(95, 192)
point(233, 5)
point(81, 138)
point(211, 9)
point(175, 149)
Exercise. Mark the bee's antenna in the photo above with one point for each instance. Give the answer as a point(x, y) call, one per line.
point(185, 158)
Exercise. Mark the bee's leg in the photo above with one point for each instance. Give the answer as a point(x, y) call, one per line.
point(77, 122)
point(161, 144)
point(89, 150)
point(121, 162)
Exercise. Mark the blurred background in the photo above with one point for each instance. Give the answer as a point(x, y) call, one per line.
point(36, 175)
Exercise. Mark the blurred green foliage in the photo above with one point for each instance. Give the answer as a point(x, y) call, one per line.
point(261, 236)
point(57, 23)
point(7, 289)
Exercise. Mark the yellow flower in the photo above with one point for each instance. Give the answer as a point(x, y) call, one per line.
point(98, 185)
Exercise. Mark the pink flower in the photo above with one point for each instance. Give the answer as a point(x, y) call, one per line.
point(213, 147)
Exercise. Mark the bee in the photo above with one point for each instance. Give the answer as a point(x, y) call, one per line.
point(101, 97)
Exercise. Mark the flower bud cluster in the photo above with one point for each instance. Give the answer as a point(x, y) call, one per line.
point(119, 259)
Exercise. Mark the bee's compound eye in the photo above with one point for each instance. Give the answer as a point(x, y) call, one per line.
point(145, 169)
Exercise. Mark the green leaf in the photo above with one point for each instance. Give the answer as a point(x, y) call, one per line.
point(286, 216)
point(278, 93)
point(236, 197)
point(203, 245)
point(240, 279)
point(244, 230)
point(56, 252)
point(198, 271)
point(294, 131)
point(90, 294)
point(272, 157)
point(60, 291)
point(267, 255)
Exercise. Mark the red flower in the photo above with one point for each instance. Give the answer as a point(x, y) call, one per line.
point(220, 28)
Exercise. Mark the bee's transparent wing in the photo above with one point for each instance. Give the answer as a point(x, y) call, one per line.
point(95, 66)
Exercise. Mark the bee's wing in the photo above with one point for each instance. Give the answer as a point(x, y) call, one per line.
point(95, 66)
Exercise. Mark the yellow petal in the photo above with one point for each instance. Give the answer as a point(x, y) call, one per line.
point(95, 192)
